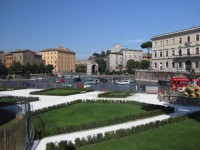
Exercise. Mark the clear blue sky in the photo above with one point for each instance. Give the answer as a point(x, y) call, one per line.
point(88, 26)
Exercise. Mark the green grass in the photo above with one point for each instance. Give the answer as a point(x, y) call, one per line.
point(115, 94)
point(183, 135)
point(59, 92)
point(84, 113)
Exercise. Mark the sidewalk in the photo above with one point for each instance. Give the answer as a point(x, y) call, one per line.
point(46, 101)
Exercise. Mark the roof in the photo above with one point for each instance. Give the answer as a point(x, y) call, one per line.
point(136, 50)
point(61, 49)
point(22, 51)
point(194, 29)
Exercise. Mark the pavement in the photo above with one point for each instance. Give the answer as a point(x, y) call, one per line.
point(45, 101)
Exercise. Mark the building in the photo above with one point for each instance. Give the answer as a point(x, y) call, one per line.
point(24, 57)
point(177, 50)
point(2, 57)
point(27, 56)
point(62, 59)
point(118, 57)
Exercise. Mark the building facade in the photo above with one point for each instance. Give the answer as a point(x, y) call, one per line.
point(119, 56)
point(24, 57)
point(62, 59)
point(177, 50)
point(2, 57)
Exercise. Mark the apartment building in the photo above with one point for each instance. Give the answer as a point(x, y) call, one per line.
point(177, 50)
point(119, 57)
point(62, 59)
point(22, 56)
point(2, 57)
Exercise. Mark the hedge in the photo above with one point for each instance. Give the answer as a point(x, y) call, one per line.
point(42, 92)
point(112, 94)
point(12, 100)
point(80, 142)
point(156, 110)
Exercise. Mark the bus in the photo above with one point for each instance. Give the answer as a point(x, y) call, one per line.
point(177, 83)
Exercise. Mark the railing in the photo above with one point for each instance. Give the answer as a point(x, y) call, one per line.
point(20, 136)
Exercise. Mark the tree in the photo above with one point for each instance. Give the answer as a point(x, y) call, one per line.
point(107, 52)
point(16, 68)
point(49, 69)
point(145, 64)
point(130, 66)
point(103, 54)
point(120, 67)
point(101, 65)
point(147, 45)
point(3, 70)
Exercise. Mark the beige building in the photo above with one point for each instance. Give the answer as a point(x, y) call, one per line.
point(62, 59)
point(27, 56)
point(24, 57)
point(177, 50)
point(119, 57)
point(2, 57)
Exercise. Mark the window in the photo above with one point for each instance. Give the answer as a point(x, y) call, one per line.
point(180, 40)
point(180, 52)
point(160, 54)
point(166, 42)
point(166, 53)
point(155, 44)
point(155, 54)
point(173, 41)
point(160, 43)
point(197, 37)
point(173, 65)
point(180, 65)
point(166, 64)
point(188, 38)
point(188, 51)
point(173, 52)
point(197, 50)
point(155, 65)
point(197, 64)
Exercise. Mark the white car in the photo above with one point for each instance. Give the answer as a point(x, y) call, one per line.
point(86, 85)
point(33, 79)
point(123, 82)
point(39, 78)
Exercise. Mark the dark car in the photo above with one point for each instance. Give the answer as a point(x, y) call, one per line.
point(164, 82)
point(29, 84)
point(77, 79)
point(103, 80)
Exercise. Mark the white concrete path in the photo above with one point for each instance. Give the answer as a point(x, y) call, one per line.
point(46, 101)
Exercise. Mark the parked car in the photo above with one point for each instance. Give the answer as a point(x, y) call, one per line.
point(86, 85)
point(33, 79)
point(39, 78)
point(123, 82)
point(64, 85)
point(77, 79)
point(164, 82)
point(28, 84)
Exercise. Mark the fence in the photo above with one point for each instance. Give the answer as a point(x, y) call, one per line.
point(20, 136)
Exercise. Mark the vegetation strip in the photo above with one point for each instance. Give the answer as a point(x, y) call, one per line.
point(115, 94)
point(12, 100)
point(118, 134)
point(60, 91)
point(152, 110)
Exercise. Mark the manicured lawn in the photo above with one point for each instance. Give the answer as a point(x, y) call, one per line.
point(58, 92)
point(83, 113)
point(115, 94)
point(183, 135)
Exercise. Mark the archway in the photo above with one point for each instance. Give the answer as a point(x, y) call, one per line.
point(94, 69)
point(188, 65)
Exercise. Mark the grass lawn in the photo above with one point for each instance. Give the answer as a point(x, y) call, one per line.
point(183, 135)
point(59, 92)
point(83, 113)
point(115, 94)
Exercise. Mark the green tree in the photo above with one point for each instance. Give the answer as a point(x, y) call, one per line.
point(145, 64)
point(81, 68)
point(101, 65)
point(49, 69)
point(16, 68)
point(148, 46)
point(103, 54)
point(130, 66)
point(3, 70)
point(107, 52)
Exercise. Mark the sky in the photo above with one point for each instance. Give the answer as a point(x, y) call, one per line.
point(90, 26)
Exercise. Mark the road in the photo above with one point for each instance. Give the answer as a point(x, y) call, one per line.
point(137, 86)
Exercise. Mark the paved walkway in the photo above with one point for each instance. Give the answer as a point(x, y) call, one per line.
point(46, 101)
